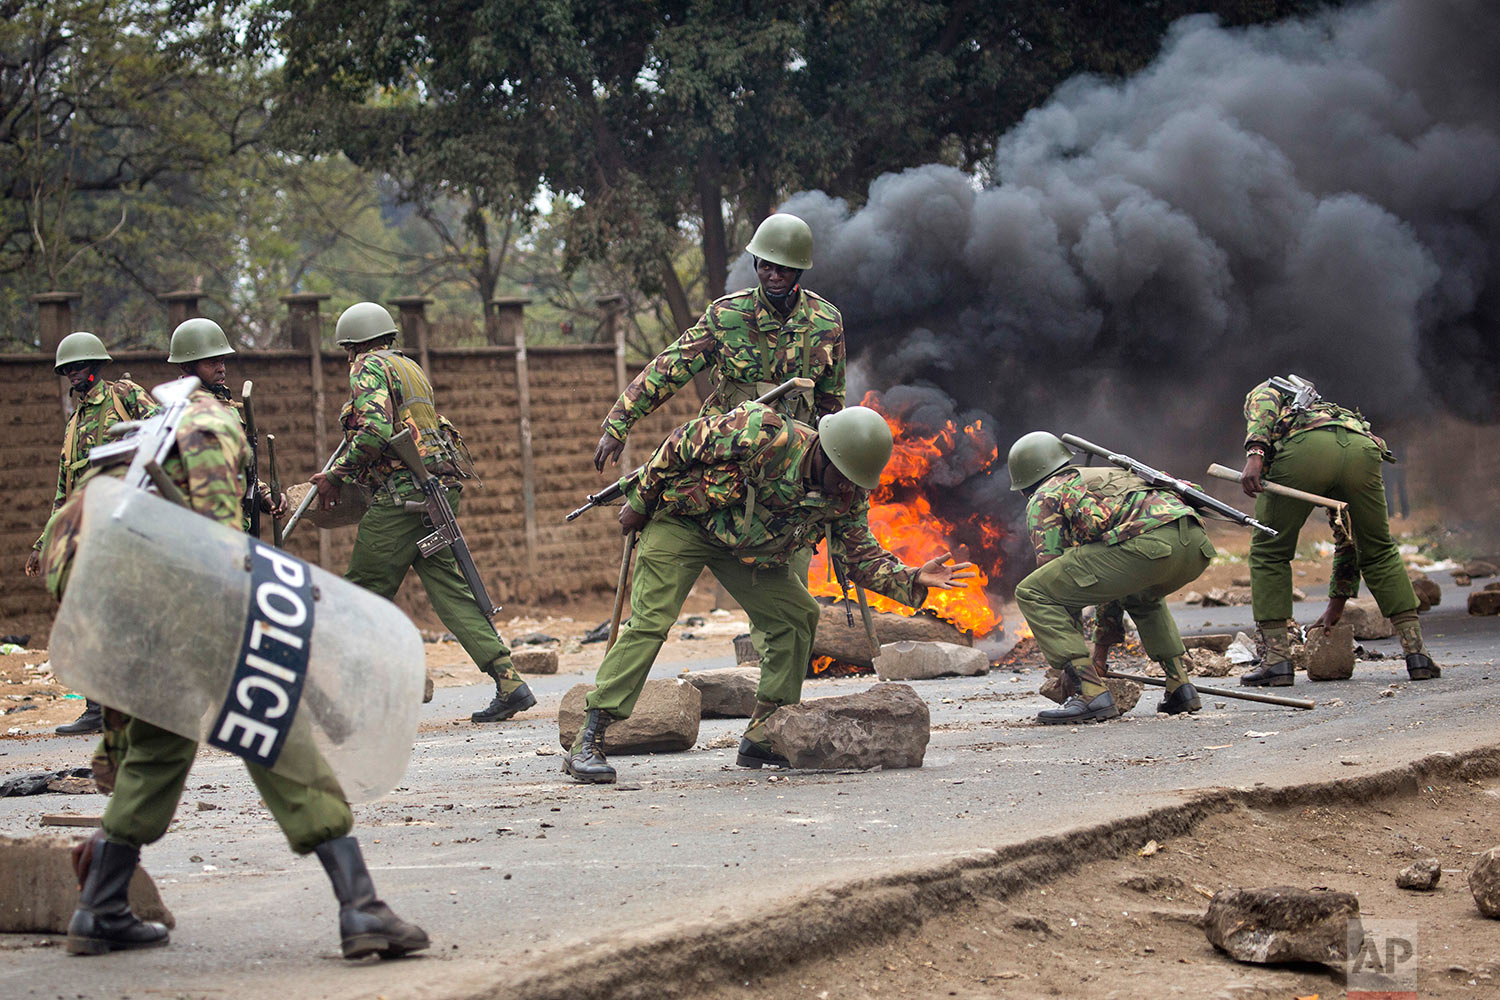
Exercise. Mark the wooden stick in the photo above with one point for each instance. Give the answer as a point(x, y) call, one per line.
point(1224, 472)
point(614, 622)
point(864, 612)
point(1268, 699)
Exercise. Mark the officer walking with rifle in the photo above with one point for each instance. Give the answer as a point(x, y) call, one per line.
point(1121, 539)
point(392, 413)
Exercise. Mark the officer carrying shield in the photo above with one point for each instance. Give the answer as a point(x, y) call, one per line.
point(206, 466)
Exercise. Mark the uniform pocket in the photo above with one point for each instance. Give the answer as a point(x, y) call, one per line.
point(1208, 550)
point(1080, 574)
point(1151, 548)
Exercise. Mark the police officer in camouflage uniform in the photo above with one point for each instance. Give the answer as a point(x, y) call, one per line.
point(750, 342)
point(740, 493)
point(1326, 449)
point(101, 404)
point(390, 392)
point(199, 348)
point(152, 764)
point(1103, 537)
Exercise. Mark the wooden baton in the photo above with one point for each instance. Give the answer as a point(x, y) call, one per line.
point(1268, 699)
point(1224, 472)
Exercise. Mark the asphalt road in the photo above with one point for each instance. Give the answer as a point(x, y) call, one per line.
point(509, 865)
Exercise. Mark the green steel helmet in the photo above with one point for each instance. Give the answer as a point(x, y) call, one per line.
point(1034, 457)
point(79, 346)
point(783, 239)
point(362, 322)
point(198, 340)
point(857, 440)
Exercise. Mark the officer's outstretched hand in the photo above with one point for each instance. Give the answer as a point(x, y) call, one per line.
point(1250, 478)
point(33, 563)
point(630, 520)
point(934, 574)
point(608, 451)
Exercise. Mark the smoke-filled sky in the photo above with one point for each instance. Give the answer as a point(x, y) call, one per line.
point(1317, 196)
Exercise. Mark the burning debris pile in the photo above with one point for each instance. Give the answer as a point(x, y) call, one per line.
point(920, 509)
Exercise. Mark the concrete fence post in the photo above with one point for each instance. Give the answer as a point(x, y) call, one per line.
point(54, 322)
point(181, 307)
point(414, 328)
point(510, 314)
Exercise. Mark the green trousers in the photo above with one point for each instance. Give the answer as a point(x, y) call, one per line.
point(672, 552)
point(1139, 573)
point(798, 565)
point(1338, 463)
point(154, 767)
point(386, 547)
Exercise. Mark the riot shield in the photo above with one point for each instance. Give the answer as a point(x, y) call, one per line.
point(214, 635)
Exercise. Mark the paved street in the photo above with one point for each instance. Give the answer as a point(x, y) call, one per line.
point(508, 864)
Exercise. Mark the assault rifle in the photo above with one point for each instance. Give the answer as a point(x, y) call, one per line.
point(615, 491)
point(1300, 394)
point(250, 502)
point(1192, 495)
point(435, 504)
point(145, 444)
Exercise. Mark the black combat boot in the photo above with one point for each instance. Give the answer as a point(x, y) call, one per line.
point(585, 762)
point(103, 921)
point(1419, 667)
point(1183, 699)
point(503, 706)
point(753, 754)
point(1277, 675)
point(1099, 708)
point(91, 721)
point(366, 925)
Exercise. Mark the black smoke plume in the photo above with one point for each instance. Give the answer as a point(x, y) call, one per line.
point(1317, 196)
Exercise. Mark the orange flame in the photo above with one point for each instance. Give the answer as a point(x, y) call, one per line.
point(902, 520)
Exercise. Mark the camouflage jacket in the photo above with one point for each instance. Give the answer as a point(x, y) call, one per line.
point(105, 405)
point(370, 418)
point(1269, 419)
point(742, 339)
point(742, 477)
point(262, 490)
point(1078, 506)
point(208, 465)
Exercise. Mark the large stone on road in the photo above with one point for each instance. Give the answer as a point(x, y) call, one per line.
point(1484, 882)
point(665, 719)
point(1330, 653)
point(727, 693)
point(886, 726)
point(39, 892)
point(918, 661)
point(1484, 602)
point(1429, 594)
point(531, 660)
point(1125, 693)
point(1420, 875)
point(1204, 661)
point(837, 638)
point(1281, 924)
point(1363, 615)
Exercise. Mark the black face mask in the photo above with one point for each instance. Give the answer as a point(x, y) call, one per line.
point(87, 385)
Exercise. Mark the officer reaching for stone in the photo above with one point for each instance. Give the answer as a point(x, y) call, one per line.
point(1103, 537)
point(740, 493)
point(151, 767)
point(101, 404)
point(199, 348)
point(1295, 438)
point(390, 392)
point(750, 342)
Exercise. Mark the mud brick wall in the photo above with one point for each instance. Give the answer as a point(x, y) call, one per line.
point(571, 389)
